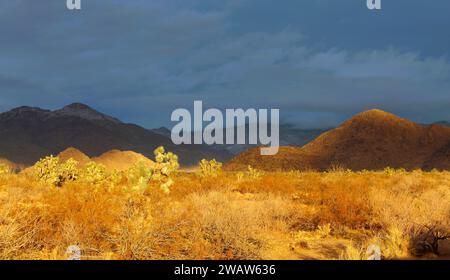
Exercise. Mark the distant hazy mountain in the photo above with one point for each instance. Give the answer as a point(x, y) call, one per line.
point(27, 134)
point(371, 140)
point(290, 135)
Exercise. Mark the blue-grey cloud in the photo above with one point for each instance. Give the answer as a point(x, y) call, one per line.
point(318, 61)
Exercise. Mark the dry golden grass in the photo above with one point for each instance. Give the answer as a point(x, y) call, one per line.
point(292, 215)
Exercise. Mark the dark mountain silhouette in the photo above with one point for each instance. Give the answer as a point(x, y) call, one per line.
point(28, 134)
point(370, 140)
point(164, 131)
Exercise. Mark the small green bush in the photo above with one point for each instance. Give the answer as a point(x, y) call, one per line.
point(210, 168)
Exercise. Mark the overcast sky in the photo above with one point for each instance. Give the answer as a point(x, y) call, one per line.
point(319, 61)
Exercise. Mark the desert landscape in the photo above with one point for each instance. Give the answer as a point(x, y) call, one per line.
point(375, 180)
point(248, 136)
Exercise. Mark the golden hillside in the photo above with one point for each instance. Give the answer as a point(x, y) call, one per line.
point(121, 160)
point(371, 140)
point(75, 154)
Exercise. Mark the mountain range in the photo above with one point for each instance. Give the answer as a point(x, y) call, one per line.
point(28, 134)
point(370, 140)
point(289, 134)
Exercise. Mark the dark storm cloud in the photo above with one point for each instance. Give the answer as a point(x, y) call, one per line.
point(319, 61)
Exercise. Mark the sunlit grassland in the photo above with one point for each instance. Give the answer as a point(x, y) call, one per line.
point(229, 215)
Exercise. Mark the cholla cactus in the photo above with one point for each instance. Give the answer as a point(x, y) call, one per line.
point(46, 169)
point(210, 168)
point(139, 175)
point(166, 164)
point(114, 178)
point(69, 170)
point(94, 173)
point(4, 169)
point(49, 170)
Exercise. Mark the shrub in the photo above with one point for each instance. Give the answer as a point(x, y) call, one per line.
point(253, 173)
point(322, 231)
point(392, 171)
point(49, 170)
point(210, 168)
point(336, 168)
point(4, 169)
point(426, 239)
point(68, 171)
point(249, 175)
point(115, 178)
point(352, 253)
point(310, 215)
point(234, 227)
point(394, 245)
point(389, 244)
point(139, 175)
point(166, 164)
point(46, 169)
point(94, 173)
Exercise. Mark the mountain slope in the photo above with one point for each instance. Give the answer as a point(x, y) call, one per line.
point(370, 140)
point(27, 134)
point(121, 160)
point(440, 160)
point(289, 136)
point(72, 153)
point(13, 166)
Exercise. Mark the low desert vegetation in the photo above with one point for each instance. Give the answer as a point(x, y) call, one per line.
point(210, 168)
point(160, 213)
point(4, 169)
